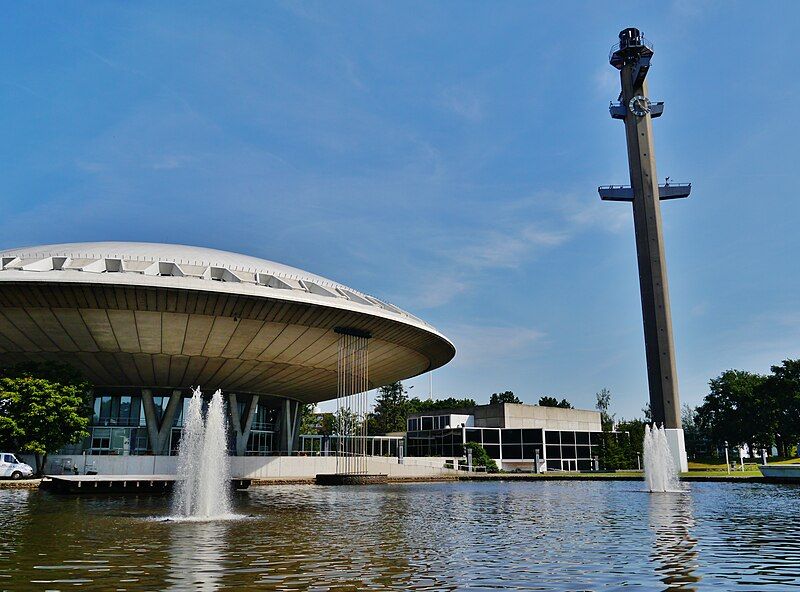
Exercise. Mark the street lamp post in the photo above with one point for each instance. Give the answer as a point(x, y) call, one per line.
point(727, 462)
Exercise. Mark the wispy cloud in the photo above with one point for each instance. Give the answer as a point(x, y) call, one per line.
point(583, 214)
point(465, 103)
point(606, 82)
point(496, 249)
point(490, 346)
point(439, 291)
point(500, 240)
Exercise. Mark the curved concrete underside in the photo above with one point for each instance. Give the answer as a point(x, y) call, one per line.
point(122, 335)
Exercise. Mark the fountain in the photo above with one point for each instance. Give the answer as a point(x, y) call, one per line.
point(659, 468)
point(203, 479)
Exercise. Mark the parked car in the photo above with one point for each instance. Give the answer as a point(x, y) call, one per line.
point(13, 468)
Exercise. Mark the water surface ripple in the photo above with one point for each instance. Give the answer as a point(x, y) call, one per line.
point(465, 536)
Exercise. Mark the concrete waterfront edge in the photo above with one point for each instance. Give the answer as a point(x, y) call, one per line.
point(351, 479)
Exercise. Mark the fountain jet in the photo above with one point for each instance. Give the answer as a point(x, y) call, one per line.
point(203, 475)
point(660, 473)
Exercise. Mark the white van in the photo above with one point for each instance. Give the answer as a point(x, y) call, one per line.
point(11, 467)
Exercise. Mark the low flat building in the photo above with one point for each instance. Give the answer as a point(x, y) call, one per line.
point(514, 435)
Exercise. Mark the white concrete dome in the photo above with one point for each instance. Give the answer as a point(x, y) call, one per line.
point(195, 315)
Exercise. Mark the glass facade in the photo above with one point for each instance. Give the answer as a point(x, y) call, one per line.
point(318, 445)
point(562, 450)
point(433, 422)
point(446, 442)
point(262, 440)
point(118, 423)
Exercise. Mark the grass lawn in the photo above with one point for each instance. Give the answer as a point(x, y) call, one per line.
point(749, 467)
point(748, 472)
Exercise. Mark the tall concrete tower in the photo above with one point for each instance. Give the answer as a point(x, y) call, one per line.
point(631, 56)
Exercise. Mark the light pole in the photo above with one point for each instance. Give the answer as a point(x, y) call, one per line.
point(638, 461)
point(727, 462)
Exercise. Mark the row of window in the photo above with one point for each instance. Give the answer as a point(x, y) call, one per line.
point(316, 445)
point(135, 441)
point(128, 410)
point(507, 444)
point(435, 422)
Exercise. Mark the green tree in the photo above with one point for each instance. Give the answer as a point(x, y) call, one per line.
point(481, 458)
point(647, 411)
point(391, 409)
point(619, 448)
point(603, 405)
point(308, 420)
point(347, 422)
point(695, 436)
point(631, 442)
point(504, 397)
point(43, 407)
point(738, 409)
point(416, 405)
point(327, 424)
point(780, 394)
point(553, 402)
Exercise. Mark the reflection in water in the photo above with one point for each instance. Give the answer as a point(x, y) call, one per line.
point(559, 536)
point(674, 548)
point(196, 555)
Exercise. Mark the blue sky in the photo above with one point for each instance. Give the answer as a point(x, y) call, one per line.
point(444, 156)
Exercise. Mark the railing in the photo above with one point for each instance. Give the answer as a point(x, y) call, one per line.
point(618, 46)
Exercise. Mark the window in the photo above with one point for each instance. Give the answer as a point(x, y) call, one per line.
point(491, 436)
point(101, 439)
point(413, 424)
point(529, 451)
point(532, 437)
point(440, 422)
point(427, 423)
point(118, 410)
point(581, 437)
point(568, 437)
point(512, 451)
point(553, 452)
point(474, 436)
point(493, 450)
point(512, 437)
point(259, 443)
point(265, 417)
point(551, 438)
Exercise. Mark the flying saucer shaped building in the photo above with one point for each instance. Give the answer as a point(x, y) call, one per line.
point(145, 322)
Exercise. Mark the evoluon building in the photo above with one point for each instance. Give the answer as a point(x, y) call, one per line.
point(145, 322)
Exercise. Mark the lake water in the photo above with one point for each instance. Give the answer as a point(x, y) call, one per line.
point(445, 536)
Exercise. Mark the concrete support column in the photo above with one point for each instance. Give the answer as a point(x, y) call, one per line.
point(290, 426)
point(242, 423)
point(159, 433)
point(151, 421)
